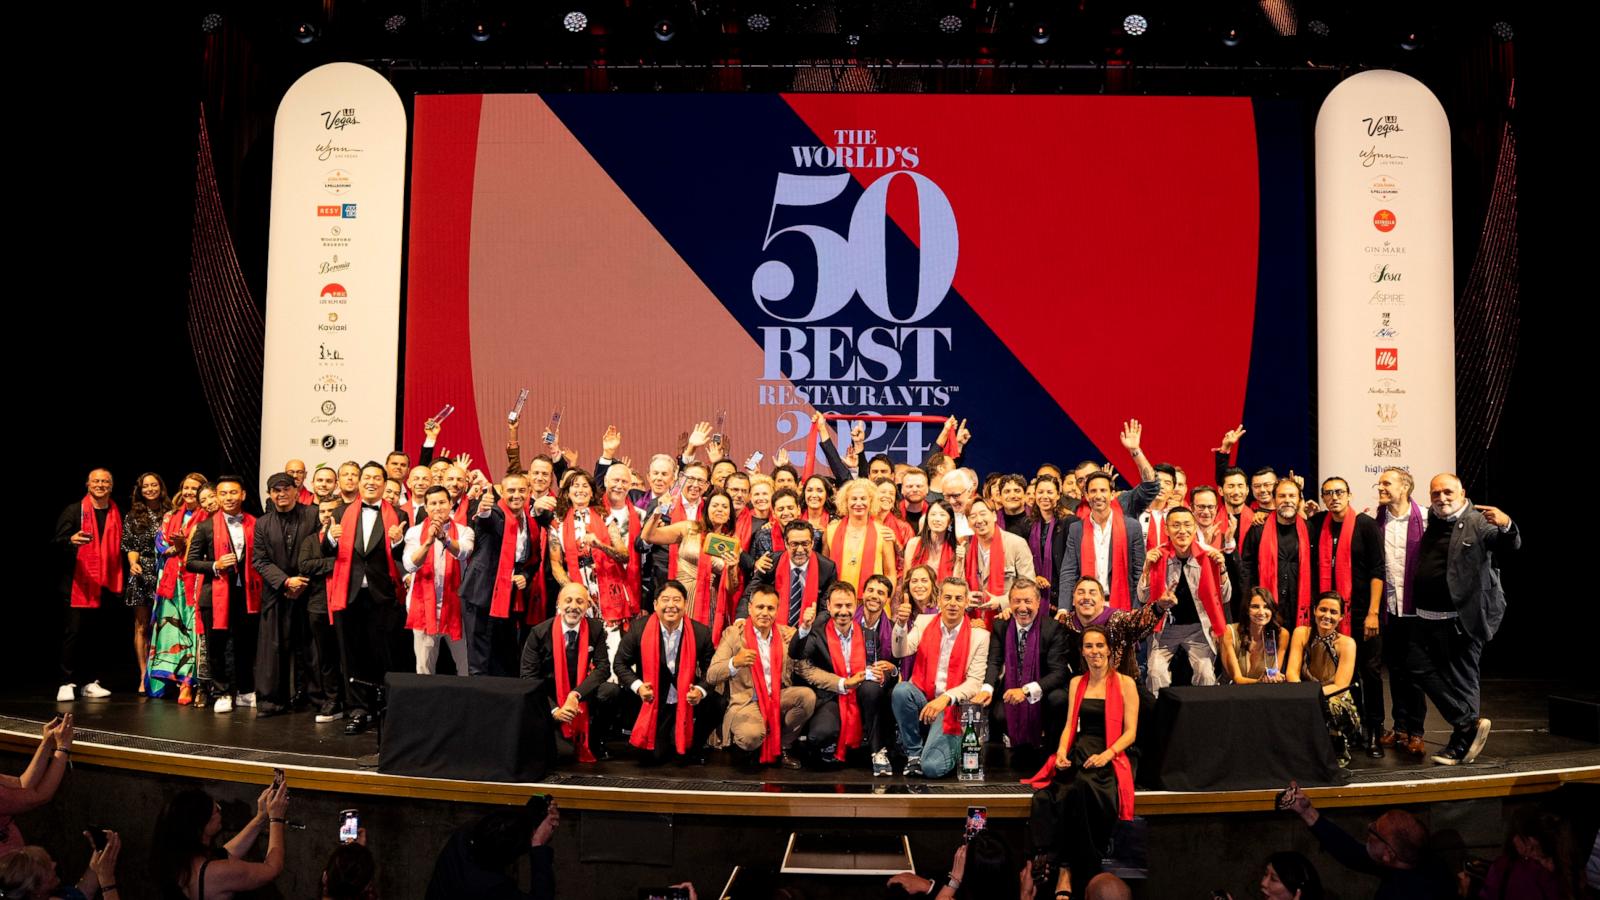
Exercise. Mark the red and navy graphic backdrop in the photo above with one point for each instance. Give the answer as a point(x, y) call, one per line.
point(1042, 267)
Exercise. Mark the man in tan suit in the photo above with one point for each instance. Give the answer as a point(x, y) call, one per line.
point(739, 664)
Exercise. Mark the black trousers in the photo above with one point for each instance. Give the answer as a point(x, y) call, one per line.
point(1442, 660)
point(89, 644)
point(492, 644)
point(1369, 674)
point(602, 715)
point(1408, 703)
point(283, 649)
point(877, 718)
point(232, 650)
point(363, 627)
point(707, 715)
point(1054, 719)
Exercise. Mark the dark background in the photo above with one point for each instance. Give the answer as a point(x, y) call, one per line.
point(106, 191)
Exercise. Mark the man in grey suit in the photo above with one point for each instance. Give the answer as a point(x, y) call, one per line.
point(1459, 604)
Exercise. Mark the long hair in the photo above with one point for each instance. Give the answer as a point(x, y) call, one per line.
point(177, 499)
point(155, 507)
point(703, 524)
point(25, 872)
point(179, 836)
point(949, 533)
point(1296, 873)
point(1272, 625)
point(904, 593)
point(564, 502)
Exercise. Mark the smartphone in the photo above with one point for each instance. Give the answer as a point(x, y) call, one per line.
point(97, 833)
point(349, 826)
point(277, 778)
point(977, 820)
point(664, 893)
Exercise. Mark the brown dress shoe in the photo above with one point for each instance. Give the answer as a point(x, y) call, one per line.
point(1414, 745)
point(1391, 738)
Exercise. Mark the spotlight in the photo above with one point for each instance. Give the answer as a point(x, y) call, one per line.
point(1135, 25)
point(576, 21)
point(1039, 33)
point(305, 33)
point(758, 22)
point(950, 24)
point(664, 30)
point(394, 23)
point(211, 22)
point(1410, 40)
point(1231, 36)
point(853, 40)
point(1318, 28)
point(1502, 30)
point(479, 32)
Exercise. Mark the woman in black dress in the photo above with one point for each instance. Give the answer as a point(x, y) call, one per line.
point(150, 503)
point(1088, 785)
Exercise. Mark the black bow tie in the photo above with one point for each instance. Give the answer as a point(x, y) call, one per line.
point(376, 506)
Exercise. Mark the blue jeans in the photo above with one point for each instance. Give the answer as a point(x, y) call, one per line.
point(939, 751)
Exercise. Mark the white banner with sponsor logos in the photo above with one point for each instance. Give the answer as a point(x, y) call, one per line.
point(333, 270)
point(1385, 287)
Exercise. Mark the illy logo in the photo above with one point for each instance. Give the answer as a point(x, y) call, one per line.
point(1388, 359)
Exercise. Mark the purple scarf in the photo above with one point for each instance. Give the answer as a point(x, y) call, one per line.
point(885, 633)
point(1043, 547)
point(1103, 618)
point(1023, 721)
point(1414, 526)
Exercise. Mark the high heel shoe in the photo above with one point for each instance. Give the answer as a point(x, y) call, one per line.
point(185, 695)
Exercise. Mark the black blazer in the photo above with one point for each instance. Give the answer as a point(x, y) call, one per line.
point(1054, 670)
point(539, 658)
point(1366, 559)
point(628, 656)
point(477, 577)
point(813, 649)
point(827, 572)
point(201, 555)
point(286, 545)
point(366, 561)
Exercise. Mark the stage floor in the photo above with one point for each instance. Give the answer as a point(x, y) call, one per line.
point(141, 733)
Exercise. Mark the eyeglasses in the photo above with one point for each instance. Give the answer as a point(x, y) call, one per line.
point(799, 544)
point(695, 480)
point(1335, 492)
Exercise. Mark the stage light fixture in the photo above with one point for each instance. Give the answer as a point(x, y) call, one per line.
point(1135, 25)
point(1232, 36)
point(950, 24)
point(480, 32)
point(853, 40)
point(305, 33)
point(664, 30)
point(211, 22)
point(758, 22)
point(394, 24)
point(1503, 31)
point(1039, 33)
point(576, 21)
point(1318, 28)
point(1411, 40)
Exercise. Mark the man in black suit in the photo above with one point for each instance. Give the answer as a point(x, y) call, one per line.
point(365, 539)
point(812, 649)
point(676, 640)
point(489, 605)
point(219, 552)
point(1030, 673)
point(288, 554)
point(590, 701)
point(793, 571)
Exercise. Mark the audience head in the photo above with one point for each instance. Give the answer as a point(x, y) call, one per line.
point(1290, 876)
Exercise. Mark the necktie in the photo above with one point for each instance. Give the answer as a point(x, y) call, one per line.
point(572, 659)
point(797, 589)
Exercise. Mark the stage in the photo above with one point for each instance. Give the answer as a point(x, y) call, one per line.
point(160, 737)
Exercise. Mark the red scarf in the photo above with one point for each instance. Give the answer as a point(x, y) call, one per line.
point(460, 515)
point(306, 498)
point(781, 583)
point(869, 552)
point(172, 569)
point(644, 727)
point(1155, 532)
point(349, 536)
point(620, 584)
point(97, 565)
point(679, 513)
point(221, 545)
point(500, 606)
point(768, 688)
point(743, 526)
point(849, 704)
point(1210, 587)
point(423, 616)
point(577, 730)
point(704, 574)
point(1268, 563)
point(1118, 563)
point(996, 583)
point(1335, 570)
point(925, 675)
point(1119, 763)
point(946, 566)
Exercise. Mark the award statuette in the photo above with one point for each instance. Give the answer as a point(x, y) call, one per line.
point(439, 417)
point(516, 411)
point(716, 434)
point(549, 436)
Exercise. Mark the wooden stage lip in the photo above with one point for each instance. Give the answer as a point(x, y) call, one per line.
point(846, 802)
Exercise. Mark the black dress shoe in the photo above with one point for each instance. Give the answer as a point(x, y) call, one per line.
point(300, 702)
point(789, 762)
point(1374, 746)
point(268, 710)
point(358, 723)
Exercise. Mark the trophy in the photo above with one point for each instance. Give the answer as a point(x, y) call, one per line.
point(716, 434)
point(439, 417)
point(516, 411)
point(549, 436)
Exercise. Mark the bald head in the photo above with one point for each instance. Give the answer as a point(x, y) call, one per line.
point(1107, 886)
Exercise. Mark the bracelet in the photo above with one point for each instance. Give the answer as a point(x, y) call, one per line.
point(276, 821)
point(955, 883)
point(107, 887)
point(62, 750)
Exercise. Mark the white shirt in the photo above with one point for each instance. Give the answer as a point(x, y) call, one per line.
point(670, 641)
point(1394, 560)
point(235, 525)
point(763, 650)
point(1102, 546)
point(947, 646)
point(613, 641)
point(463, 549)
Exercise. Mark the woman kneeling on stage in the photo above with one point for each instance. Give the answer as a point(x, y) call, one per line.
point(1320, 654)
point(1088, 785)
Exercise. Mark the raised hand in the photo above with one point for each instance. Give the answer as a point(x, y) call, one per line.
point(1131, 433)
point(1230, 439)
point(609, 442)
point(1494, 516)
point(699, 436)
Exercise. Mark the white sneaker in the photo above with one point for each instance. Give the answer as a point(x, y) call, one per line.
point(66, 694)
point(246, 700)
point(93, 689)
point(223, 705)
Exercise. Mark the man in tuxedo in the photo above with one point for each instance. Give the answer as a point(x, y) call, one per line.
point(843, 664)
point(745, 661)
point(288, 555)
point(797, 575)
point(365, 539)
point(663, 660)
point(1028, 668)
point(582, 699)
point(230, 596)
point(489, 601)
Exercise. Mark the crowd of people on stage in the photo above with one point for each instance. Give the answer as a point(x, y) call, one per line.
point(860, 615)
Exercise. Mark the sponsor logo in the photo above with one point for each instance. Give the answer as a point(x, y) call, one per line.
point(348, 211)
point(332, 324)
point(1386, 447)
point(1387, 298)
point(330, 150)
point(327, 417)
point(335, 238)
point(1383, 220)
point(336, 181)
point(1374, 157)
point(330, 384)
point(1385, 329)
point(1387, 414)
point(1387, 387)
point(1383, 273)
point(329, 407)
point(323, 211)
point(1387, 359)
point(334, 292)
point(1382, 126)
point(1387, 248)
point(339, 119)
point(329, 356)
point(329, 266)
point(329, 442)
point(1383, 188)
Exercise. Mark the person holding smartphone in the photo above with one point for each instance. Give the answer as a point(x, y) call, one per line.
point(186, 860)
